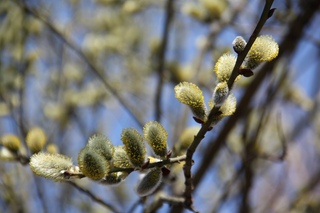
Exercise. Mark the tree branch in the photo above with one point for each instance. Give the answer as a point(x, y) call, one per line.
point(215, 111)
point(287, 46)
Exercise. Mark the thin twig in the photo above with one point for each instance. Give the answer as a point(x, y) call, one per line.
point(79, 175)
point(163, 198)
point(94, 197)
point(215, 111)
point(161, 57)
point(82, 55)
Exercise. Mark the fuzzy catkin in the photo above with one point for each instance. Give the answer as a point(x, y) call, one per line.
point(191, 95)
point(134, 146)
point(156, 136)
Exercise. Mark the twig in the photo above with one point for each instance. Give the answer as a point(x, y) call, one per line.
point(283, 142)
point(215, 111)
point(93, 197)
point(161, 57)
point(82, 55)
point(79, 175)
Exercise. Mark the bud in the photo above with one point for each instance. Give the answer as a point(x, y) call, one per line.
point(191, 95)
point(11, 142)
point(263, 49)
point(239, 44)
point(156, 136)
point(134, 146)
point(224, 67)
point(50, 165)
point(92, 164)
point(114, 178)
point(149, 182)
point(220, 93)
point(36, 139)
point(102, 145)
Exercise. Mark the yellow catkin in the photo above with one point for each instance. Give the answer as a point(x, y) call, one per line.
point(214, 7)
point(102, 145)
point(156, 136)
point(11, 142)
point(92, 165)
point(224, 66)
point(52, 148)
point(120, 158)
point(36, 139)
point(263, 49)
point(134, 146)
point(191, 95)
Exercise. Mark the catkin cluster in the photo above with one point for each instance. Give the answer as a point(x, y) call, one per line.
point(263, 49)
point(101, 161)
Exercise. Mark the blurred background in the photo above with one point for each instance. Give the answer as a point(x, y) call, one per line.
point(79, 67)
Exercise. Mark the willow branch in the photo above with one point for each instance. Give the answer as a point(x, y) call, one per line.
point(215, 111)
point(287, 47)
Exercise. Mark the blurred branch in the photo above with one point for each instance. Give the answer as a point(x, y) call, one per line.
point(286, 47)
point(283, 142)
point(310, 185)
point(93, 197)
point(82, 55)
point(215, 111)
point(161, 57)
point(37, 187)
point(163, 198)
